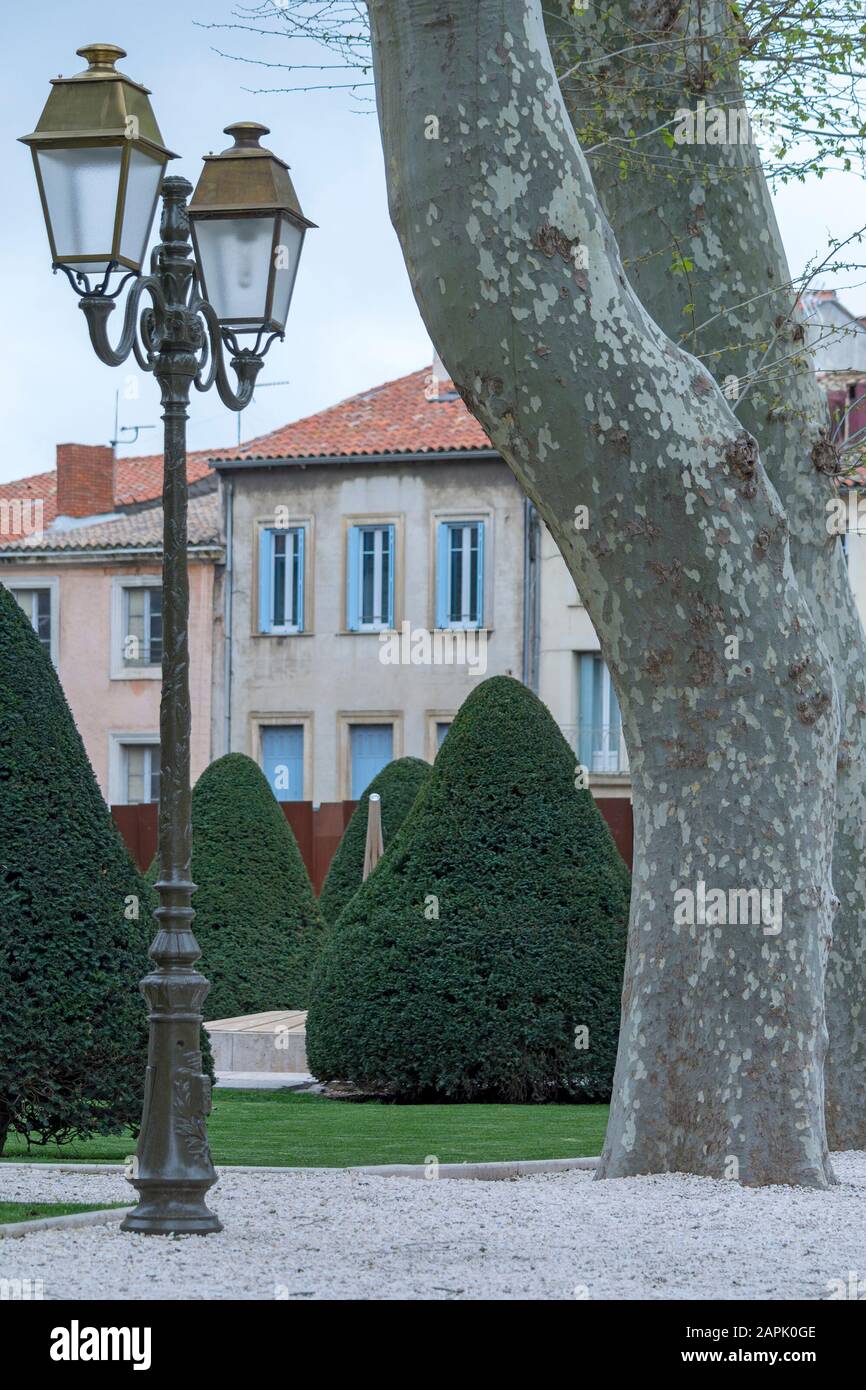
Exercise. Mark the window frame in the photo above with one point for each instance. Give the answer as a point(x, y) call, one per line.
point(585, 728)
point(119, 668)
point(433, 718)
point(444, 573)
point(444, 516)
point(381, 589)
point(345, 719)
point(25, 583)
point(282, 719)
point(264, 625)
point(118, 779)
point(352, 526)
point(126, 594)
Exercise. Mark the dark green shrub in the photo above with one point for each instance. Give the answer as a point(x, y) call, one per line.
point(494, 927)
point(73, 1030)
point(398, 785)
point(256, 917)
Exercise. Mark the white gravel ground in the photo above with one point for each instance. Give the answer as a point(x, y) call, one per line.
point(319, 1234)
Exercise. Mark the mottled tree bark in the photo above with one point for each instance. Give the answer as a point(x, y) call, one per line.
point(732, 744)
point(708, 204)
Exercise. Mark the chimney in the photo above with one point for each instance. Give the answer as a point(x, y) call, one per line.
point(439, 386)
point(85, 479)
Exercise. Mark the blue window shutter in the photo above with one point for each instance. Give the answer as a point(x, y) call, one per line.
point(353, 560)
point(586, 713)
point(301, 543)
point(389, 530)
point(266, 575)
point(442, 573)
point(372, 749)
point(479, 600)
point(283, 761)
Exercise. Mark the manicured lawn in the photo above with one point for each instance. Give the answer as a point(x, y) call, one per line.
point(30, 1211)
point(304, 1131)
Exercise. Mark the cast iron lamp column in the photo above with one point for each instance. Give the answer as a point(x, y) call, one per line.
point(173, 1169)
point(99, 159)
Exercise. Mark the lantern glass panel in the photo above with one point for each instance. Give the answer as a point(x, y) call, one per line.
point(142, 188)
point(235, 255)
point(286, 259)
point(81, 190)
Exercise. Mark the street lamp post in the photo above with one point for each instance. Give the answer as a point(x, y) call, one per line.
point(99, 161)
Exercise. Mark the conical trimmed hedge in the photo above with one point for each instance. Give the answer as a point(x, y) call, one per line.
point(398, 785)
point(490, 935)
point(256, 916)
point(74, 918)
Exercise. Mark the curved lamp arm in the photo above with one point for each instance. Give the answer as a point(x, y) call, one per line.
point(195, 322)
point(245, 362)
point(98, 308)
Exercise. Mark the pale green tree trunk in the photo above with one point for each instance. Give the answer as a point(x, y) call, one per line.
point(708, 204)
point(732, 744)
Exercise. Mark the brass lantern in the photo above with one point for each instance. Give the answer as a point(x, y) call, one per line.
point(248, 231)
point(99, 160)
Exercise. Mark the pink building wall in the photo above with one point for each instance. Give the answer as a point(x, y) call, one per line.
point(102, 705)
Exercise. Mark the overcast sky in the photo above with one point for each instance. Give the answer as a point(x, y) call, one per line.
point(353, 322)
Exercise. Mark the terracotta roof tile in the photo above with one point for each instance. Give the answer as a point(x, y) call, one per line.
point(140, 479)
point(39, 486)
point(394, 418)
point(135, 480)
point(138, 528)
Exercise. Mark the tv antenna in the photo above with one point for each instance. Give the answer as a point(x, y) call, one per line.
point(134, 430)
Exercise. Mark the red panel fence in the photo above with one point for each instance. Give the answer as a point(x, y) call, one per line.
point(319, 829)
point(620, 822)
point(137, 826)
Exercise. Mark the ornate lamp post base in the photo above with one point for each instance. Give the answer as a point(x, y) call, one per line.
point(169, 1213)
point(173, 1170)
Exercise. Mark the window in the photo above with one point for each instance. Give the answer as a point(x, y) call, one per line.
point(141, 637)
point(372, 748)
point(281, 580)
point(460, 574)
point(370, 570)
point(283, 760)
point(599, 721)
point(37, 605)
point(441, 730)
point(140, 771)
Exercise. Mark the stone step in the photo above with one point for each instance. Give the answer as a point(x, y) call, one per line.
point(267, 1081)
point(267, 1042)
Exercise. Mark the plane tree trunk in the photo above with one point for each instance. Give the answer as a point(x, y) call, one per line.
point(682, 559)
point(696, 228)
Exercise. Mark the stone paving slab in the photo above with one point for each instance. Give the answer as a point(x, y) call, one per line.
point(287, 1020)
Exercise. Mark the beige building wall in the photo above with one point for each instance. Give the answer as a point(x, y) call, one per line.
point(329, 678)
point(105, 702)
point(565, 631)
